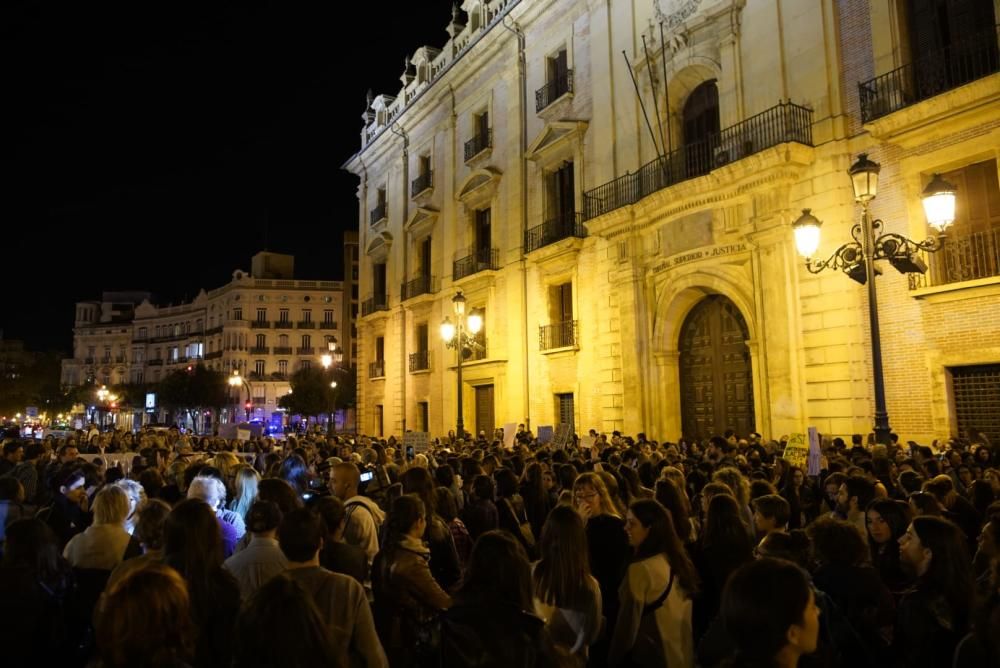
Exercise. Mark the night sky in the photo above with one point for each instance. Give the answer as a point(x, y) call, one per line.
point(158, 146)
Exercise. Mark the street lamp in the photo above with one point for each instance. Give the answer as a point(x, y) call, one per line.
point(857, 258)
point(333, 356)
point(235, 381)
point(455, 336)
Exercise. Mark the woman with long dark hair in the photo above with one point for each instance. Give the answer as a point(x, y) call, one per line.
point(445, 564)
point(192, 545)
point(537, 502)
point(933, 616)
point(510, 510)
point(654, 617)
point(769, 611)
point(886, 521)
point(491, 625)
point(282, 627)
point(567, 596)
point(671, 498)
point(36, 588)
point(724, 546)
point(407, 597)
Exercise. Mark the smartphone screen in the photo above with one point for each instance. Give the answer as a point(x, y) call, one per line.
point(409, 452)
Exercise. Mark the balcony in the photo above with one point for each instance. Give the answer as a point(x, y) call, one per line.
point(422, 183)
point(106, 359)
point(933, 73)
point(305, 351)
point(253, 375)
point(155, 362)
point(282, 350)
point(89, 360)
point(558, 335)
point(376, 369)
point(374, 303)
point(379, 213)
point(213, 330)
point(552, 91)
point(284, 324)
point(328, 325)
point(213, 355)
point(479, 143)
point(260, 324)
point(420, 361)
point(786, 122)
point(120, 359)
point(277, 375)
point(561, 227)
point(305, 324)
point(962, 258)
point(475, 261)
point(265, 350)
point(421, 285)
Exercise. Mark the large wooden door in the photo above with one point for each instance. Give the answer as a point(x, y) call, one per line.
point(485, 421)
point(716, 380)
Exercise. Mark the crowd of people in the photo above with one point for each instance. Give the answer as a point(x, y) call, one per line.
point(350, 551)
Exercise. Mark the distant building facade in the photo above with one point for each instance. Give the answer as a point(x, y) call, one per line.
point(632, 251)
point(263, 323)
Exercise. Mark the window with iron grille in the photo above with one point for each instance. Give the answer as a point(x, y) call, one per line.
point(564, 409)
point(977, 400)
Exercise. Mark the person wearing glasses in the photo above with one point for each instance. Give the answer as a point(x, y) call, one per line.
point(608, 549)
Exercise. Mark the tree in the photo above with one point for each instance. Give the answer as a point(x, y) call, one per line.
point(311, 393)
point(198, 388)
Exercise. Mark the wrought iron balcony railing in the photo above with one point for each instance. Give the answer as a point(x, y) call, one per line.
point(376, 369)
point(213, 355)
point(305, 351)
point(553, 90)
point(328, 325)
point(478, 144)
point(421, 285)
point(561, 227)
point(260, 324)
point(420, 361)
point(158, 361)
point(306, 324)
point(475, 261)
point(962, 258)
point(786, 122)
point(931, 74)
point(557, 335)
point(379, 213)
point(282, 350)
point(423, 182)
point(260, 350)
point(374, 303)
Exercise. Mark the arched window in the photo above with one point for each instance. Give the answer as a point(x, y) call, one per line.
point(701, 128)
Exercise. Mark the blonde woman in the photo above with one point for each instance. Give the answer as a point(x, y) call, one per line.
point(136, 497)
point(245, 480)
point(104, 544)
point(607, 544)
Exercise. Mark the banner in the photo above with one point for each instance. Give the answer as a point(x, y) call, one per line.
point(509, 432)
point(815, 452)
point(545, 434)
point(418, 440)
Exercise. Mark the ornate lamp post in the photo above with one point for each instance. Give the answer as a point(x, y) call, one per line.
point(461, 336)
point(870, 243)
point(235, 381)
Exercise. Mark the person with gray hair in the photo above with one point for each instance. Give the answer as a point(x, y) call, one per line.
point(136, 497)
point(213, 492)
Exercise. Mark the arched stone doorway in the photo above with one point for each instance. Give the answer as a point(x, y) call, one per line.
point(716, 377)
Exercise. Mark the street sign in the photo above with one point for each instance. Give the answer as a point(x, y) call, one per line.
point(31, 411)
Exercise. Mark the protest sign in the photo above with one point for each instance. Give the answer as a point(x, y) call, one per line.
point(418, 440)
point(545, 434)
point(797, 450)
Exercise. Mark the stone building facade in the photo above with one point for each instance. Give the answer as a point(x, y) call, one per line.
point(630, 243)
point(264, 323)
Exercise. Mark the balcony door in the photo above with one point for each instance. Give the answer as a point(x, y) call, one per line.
point(715, 371)
point(952, 42)
point(701, 128)
point(485, 418)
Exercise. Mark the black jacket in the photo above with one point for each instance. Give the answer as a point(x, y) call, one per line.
point(927, 628)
